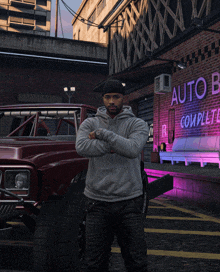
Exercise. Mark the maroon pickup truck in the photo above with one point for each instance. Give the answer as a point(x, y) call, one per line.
point(40, 166)
point(42, 179)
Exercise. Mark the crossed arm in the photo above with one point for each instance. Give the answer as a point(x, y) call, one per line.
point(92, 143)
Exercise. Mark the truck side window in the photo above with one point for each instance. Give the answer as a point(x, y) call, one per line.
point(90, 113)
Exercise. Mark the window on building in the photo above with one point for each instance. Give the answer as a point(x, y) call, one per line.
point(21, 15)
point(101, 6)
point(3, 14)
point(171, 126)
point(145, 112)
point(21, 20)
point(42, 2)
point(41, 20)
point(91, 19)
point(27, 4)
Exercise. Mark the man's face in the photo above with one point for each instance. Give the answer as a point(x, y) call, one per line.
point(113, 103)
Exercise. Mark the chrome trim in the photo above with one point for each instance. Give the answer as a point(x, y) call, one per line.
point(6, 192)
point(16, 201)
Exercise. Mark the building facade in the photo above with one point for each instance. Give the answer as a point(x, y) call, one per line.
point(152, 40)
point(90, 15)
point(156, 36)
point(26, 16)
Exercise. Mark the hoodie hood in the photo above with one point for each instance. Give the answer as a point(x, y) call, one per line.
point(126, 113)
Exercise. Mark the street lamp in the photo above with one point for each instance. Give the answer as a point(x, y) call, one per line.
point(69, 92)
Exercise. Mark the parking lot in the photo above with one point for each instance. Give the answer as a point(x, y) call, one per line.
point(180, 237)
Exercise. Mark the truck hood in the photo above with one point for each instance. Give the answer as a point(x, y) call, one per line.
point(35, 150)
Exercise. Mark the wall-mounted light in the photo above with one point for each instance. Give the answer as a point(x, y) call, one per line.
point(180, 64)
point(199, 23)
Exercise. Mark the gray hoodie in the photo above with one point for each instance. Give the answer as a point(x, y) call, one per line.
point(114, 158)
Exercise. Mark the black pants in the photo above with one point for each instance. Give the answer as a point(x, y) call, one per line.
point(123, 219)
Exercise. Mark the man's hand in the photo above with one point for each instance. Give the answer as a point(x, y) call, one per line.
point(92, 135)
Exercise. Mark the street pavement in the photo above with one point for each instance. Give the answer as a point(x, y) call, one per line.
point(179, 237)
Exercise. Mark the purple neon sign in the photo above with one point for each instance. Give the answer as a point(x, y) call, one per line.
point(199, 88)
point(177, 98)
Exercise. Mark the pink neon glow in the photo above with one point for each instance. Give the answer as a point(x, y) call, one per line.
point(189, 189)
point(197, 111)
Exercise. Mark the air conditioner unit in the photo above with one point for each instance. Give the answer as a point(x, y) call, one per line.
point(162, 84)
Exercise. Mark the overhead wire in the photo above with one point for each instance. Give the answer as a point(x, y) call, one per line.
point(60, 20)
point(88, 22)
point(78, 17)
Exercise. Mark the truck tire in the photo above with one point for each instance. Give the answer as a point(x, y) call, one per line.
point(56, 236)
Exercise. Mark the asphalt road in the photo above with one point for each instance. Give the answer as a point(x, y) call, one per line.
point(180, 238)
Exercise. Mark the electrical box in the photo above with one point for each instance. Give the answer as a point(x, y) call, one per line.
point(162, 84)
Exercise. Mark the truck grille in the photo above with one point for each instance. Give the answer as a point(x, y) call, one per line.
point(7, 207)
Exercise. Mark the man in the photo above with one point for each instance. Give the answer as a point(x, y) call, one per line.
point(113, 141)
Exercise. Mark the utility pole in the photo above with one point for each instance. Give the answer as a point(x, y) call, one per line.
point(56, 18)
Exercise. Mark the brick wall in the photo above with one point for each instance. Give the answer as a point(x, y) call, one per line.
point(199, 112)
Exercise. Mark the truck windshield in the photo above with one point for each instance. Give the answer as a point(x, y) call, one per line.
point(42, 123)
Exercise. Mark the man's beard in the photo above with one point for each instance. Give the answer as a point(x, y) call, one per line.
point(114, 111)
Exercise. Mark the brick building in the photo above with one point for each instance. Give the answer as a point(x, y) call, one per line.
point(89, 16)
point(26, 16)
point(151, 41)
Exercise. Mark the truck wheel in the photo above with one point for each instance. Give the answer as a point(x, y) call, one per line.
point(55, 240)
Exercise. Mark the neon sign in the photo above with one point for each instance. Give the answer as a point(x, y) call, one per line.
point(199, 87)
point(200, 118)
point(177, 98)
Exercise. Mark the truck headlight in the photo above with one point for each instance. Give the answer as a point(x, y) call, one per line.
point(17, 180)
